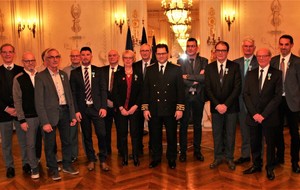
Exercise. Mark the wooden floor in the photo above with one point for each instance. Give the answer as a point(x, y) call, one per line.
point(190, 175)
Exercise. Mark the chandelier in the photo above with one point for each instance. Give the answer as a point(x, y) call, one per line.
point(176, 10)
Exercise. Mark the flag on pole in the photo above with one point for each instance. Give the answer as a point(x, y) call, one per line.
point(153, 48)
point(144, 36)
point(129, 45)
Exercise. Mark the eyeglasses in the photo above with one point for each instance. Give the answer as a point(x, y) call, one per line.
point(7, 52)
point(262, 56)
point(145, 51)
point(191, 46)
point(245, 46)
point(73, 56)
point(54, 57)
point(161, 54)
point(127, 57)
point(221, 50)
point(29, 61)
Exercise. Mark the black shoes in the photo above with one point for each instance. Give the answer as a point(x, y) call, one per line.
point(215, 164)
point(125, 161)
point(136, 161)
point(296, 168)
point(270, 174)
point(199, 156)
point(252, 169)
point(10, 172)
point(231, 165)
point(172, 164)
point(27, 169)
point(242, 160)
point(182, 157)
point(153, 164)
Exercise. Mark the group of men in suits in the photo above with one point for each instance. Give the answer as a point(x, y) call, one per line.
point(250, 89)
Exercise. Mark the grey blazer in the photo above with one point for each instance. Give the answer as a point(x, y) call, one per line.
point(46, 97)
point(253, 65)
point(292, 81)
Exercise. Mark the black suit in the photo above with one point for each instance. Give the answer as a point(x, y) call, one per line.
point(120, 93)
point(289, 107)
point(245, 130)
point(163, 96)
point(138, 67)
point(111, 112)
point(90, 113)
point(226, 93)
point(194, 100)
point(265, 103)
point(6, 120)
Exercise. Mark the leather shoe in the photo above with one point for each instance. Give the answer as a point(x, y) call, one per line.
point(199, 156)
point(153, 164)
point(91, 166)
point(231, 165)
point(172, 164)
point(215, 164)
point(125, 160)
point(252, 169)
point(296, 168)
point(182, 157)
point(26, 169)
point(136, 161)
point(242, 160)
point(270, 174)
point(104, 166)
point(10, 172)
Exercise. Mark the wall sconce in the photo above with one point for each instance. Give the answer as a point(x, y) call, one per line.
point(211, 40)
point(119, 21)
point(32, 27)
point(229, 19)
point(21, 27)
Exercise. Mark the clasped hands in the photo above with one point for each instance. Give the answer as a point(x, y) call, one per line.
point(258, 118)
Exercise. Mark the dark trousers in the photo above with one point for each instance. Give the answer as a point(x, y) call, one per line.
point(50, 140)
point(292, 121)
point(88, 116)
point(133, 122)
point(111, 115)
point(256, 135)
point(38, 143)
point(155, 128)
point(141, 121)
point(224, 126)
point(193, 105)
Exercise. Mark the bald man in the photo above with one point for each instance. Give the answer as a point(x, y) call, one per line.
point(23, 95)
point(108, 72)
point(75, 60)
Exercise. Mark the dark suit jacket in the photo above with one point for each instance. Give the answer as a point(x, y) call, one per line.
point(105, 71)
point(292, 81)
point(267, 102)
point(229, 92)
point(186, 67)
point(98, 89)
point(47, 100)
point(138, 66)
point(253, 65)
point(6, 98)
point(162, 96)
point(120, 89)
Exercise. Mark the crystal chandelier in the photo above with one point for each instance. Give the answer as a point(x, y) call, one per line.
point(177, 11)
